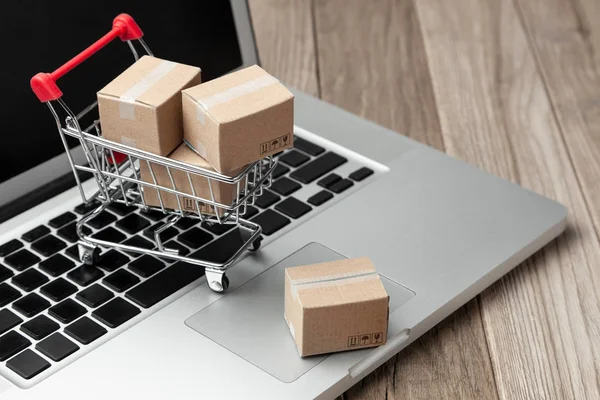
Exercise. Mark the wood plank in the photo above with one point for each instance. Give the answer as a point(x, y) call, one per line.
point(284, 34)
point(567, 49)
point(542, 320)
point(372, 62)
point(565, 37)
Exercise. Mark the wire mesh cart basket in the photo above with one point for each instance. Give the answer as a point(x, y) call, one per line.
point(116, 170)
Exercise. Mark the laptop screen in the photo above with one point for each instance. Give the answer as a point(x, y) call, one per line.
point(39, 36)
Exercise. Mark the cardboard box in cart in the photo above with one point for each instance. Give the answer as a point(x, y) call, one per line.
point(141, 107)
point(223, 192)
point(336, 306)
point(239, 118)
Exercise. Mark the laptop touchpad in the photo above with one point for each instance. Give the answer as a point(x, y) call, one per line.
point(248, 321)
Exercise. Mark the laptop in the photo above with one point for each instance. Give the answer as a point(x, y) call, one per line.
point(438, 230)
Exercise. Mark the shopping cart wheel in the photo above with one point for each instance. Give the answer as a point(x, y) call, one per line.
point(89, 255)
point(217, 282)
point(256, 244)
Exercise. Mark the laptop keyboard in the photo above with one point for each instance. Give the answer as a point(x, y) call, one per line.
point(54, 307)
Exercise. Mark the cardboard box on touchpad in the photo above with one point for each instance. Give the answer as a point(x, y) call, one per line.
point(223, 192)
point(239, 118)
point(141, 107)
point(336, 306)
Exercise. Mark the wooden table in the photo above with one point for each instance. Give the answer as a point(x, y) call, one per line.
point(514, 88)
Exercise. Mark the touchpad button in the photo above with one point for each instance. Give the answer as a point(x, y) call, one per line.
point(249, 322)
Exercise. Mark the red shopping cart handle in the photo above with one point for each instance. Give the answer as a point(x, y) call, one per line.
point(44, 84)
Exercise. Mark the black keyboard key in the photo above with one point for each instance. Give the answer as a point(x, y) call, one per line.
point(186, 223)
point(138, 241)
point(267, 199)
point(73, 252)
point(361, 174)
point(67, 311)
point(164, 284)
point(112, 260)
point(35, 233)
point(28, 364)
point(5, 273)
point(216, 228)
point(31, 305)
point(270, 221)
point(39, 327)
point(285, 186)
point(341, 186)
point(110, 234)
point(320, 198)
point(58, 290)
point(85, 208)
point(8, 320)
point(132, 224)
point(172, 244)
point(121, 280)
point(11, 344)
point(9, 247)
point(48, 245)
point(294, 158)
point(279, 171)
point(57, 264)
point(69, 232)
point(146, 265)
point(221, 249)
point(29, 280)
point(329, 180)
point(116, 312)
point(250, 212)
point(120, 208)
point(153, 214)
point(94, 296)
point(101, 220)
point(8, 294)
point(85, 331)
point(165, 235)
point(62, 219)
point(85, 274)
point(292, 207)
point(22, 259)
point(319, 167)
point(56, 347)
point(195, 238)
point(308, 147)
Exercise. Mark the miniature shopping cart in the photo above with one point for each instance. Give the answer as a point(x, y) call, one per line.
point(116, 170)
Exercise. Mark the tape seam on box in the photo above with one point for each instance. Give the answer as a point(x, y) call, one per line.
point(330, 280)
point(129, 97)
point(204, 104)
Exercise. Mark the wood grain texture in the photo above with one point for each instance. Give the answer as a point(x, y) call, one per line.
point(565, 37)
point(542, 321)
point(284, 34)
point(372, 62)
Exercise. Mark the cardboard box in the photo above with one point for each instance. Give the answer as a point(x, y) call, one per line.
point(141, 107)
point(223, 192)
point(238, 118)
point(336, 306)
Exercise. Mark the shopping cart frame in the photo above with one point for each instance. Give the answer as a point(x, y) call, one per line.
point(116, 169)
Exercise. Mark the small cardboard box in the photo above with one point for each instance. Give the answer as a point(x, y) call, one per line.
point(336, 306)
point(141, 107)
point(223, 192)
point(239, 118)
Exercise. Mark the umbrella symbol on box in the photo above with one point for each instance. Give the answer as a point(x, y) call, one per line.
point(275, 144)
